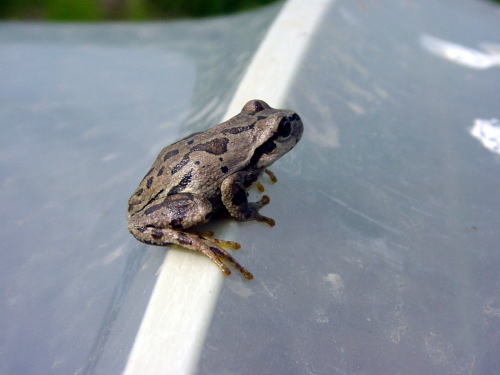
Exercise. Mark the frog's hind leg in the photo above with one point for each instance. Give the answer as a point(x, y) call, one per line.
point(208, 235)
point(208, 246)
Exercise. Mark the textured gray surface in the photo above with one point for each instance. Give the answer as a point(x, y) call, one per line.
point(386, 254)
point(83, 111)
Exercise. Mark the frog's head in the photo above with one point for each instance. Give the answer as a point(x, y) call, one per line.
point(279, 130)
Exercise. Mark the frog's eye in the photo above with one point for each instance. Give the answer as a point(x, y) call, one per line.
point(254, 106)
point(284, 128)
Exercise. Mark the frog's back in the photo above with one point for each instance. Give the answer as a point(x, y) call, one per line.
point(196, 164)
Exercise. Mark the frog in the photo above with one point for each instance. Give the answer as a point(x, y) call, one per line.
point(208, 172)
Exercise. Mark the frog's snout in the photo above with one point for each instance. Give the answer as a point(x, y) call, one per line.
point(297, 127)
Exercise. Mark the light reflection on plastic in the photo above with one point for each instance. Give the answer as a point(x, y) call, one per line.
point(488, 133)
point(458, 54)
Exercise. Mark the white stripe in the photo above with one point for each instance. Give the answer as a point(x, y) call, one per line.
point(173, 329)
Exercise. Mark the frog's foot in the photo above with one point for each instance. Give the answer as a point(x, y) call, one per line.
point(208, 246)
point(213, 248)
point(271, 175)
point(234, 197)
point(227, 244)
point(208, 235)
point(252, 212)
point(216, 254)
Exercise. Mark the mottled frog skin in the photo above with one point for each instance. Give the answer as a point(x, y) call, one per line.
point(209, 171)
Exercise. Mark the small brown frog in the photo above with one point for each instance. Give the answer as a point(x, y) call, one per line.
point(208, 171)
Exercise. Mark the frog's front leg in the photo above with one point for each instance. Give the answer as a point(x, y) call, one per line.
point(234, 196)
point(164, 224)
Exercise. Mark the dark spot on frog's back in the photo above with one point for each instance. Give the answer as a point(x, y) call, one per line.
point(149, 182)
point(190, 142)
point(238, 129)
point(217, 146)
point(169, 154)
point(139, 192)
point(182, 163)
point(147, 174)
point(156, 207)
point(179, 204)
point(152, 209)
point(224, 169)
point(160, 172)
point(183, 183)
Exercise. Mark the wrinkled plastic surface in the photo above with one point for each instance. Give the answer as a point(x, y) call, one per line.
point(83, 111)
point(386, 254)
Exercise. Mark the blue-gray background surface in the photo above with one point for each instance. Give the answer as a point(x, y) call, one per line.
point(386, 252)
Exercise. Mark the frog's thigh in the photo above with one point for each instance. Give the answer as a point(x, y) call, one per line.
point(178, 211)
point(234, 197)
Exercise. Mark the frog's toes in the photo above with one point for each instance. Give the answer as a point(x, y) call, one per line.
point(260, 187)
point(254, 214)
point(227, 244)
point(266, 220)
point(208, 235)
point(218, 255)
point(212, 248)
point(271, 175)
point(263, 201)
